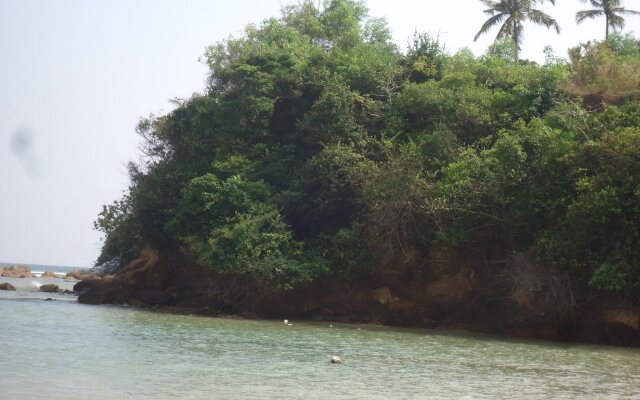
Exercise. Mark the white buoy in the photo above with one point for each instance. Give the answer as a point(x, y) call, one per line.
point(286, 322)
point(336, 360)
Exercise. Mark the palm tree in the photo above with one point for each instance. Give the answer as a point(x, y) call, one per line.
point(611, 9)
point(511, 14)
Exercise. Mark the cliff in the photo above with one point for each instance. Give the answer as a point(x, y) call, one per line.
point(446, 294)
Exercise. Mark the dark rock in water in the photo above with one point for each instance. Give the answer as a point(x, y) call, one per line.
point(67, 291)
point(429, 323)
point(83, 286)
point(179, 293)
point(100, 291)
point(49, 274)
point(96, 295)
point(154, 297)
point(137, 304)
point(50, 288)
point(16, 272)
point(48, 299)
point(7, 286)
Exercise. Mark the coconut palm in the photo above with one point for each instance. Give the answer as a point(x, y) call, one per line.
point(611, 9)
point(511, 14)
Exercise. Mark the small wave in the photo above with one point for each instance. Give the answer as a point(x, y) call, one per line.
point(36, 284)
point(38, 274)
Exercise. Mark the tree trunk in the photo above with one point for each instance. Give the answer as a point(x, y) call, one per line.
point(606, 35)
point(515, 37)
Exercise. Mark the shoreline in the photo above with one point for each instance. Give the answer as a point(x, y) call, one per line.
point(461, 298)
point(373, 326)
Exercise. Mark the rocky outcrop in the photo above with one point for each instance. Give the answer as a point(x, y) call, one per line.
point(628, 318)
point(7, 286)
point(382, 295)
point(447, 293)
point(49, 288)
point(50, 275)
point(18, 271)
point(81, 275)
point(153, 297)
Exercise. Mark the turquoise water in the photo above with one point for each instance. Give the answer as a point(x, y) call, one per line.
point(60, 349)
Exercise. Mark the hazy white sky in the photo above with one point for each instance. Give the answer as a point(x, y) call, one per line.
point(76, 75)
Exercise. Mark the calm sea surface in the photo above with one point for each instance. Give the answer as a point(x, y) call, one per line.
point(60, 349)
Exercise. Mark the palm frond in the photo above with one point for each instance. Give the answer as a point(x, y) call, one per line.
point(542, 18)
point(506, 30)
point(495, 20)
point(616, 22)
point(622, 10)
point(489, 4)
point(588, 14)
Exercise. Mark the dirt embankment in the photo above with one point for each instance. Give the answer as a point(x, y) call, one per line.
point(443, 292)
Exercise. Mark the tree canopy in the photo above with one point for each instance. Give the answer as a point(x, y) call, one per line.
point(319, 149)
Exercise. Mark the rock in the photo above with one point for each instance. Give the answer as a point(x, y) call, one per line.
point(7, 286)
point(16, 272)
point(429, 323)
point(382, 295)
point(623, 317)
point(83, 286)
point(67, 291)
point(179, 293)
point(137, 304)
point(50, 288)
point(153, 297)
point(336, 360)
point(104, 291)
point(81, 275)
point(452, 289)
point(49, 274)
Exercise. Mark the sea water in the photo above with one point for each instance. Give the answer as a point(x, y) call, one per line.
point(59, 349)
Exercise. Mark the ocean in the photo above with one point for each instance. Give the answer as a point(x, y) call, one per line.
point(39, 269)
point(54, 348)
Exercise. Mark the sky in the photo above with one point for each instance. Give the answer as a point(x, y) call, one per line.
point(77, 75)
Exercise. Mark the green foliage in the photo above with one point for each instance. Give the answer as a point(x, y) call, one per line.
point(229, 226)
point(606, 72)
point(425, 58)
point(121, 234)
point(600, 232)
point(320, 148)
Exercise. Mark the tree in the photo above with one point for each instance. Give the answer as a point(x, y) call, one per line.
point(511, 14)
point(611, 9)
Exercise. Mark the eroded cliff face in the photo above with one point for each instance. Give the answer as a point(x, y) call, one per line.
point(444, 292)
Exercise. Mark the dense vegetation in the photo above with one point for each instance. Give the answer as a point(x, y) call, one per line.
point(319, 149)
